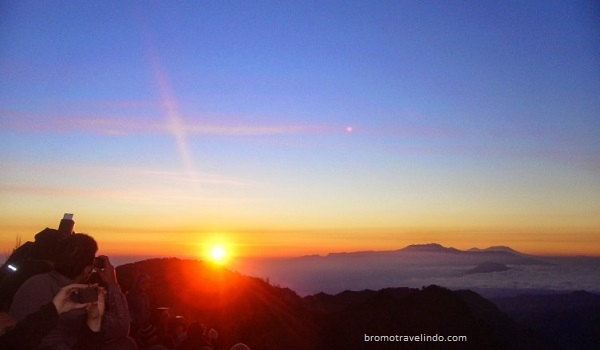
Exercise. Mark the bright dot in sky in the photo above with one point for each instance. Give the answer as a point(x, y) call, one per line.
point(218, 254)
point(349, 129)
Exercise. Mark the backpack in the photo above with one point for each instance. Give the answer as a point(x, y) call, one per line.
point(29, 259)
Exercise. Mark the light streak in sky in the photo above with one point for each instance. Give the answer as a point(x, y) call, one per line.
point(175, 123)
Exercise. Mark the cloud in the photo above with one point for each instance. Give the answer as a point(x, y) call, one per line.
point(318, 274)
point(164, 188)
point(157, 195)
point(114, 126)
point(63, 191)
point(140, 174)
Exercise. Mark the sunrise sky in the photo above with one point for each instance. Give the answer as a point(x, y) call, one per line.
point(287, 128)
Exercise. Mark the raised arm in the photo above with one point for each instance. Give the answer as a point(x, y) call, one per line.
point(115, 322)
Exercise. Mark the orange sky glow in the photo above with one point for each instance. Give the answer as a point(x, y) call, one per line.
point(179, 240)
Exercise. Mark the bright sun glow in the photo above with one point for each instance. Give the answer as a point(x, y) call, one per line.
point(218, 254)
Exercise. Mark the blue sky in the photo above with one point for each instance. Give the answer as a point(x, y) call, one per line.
point(230, 117)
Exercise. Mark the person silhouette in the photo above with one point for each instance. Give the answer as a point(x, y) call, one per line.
point(74, 263)
point(28, 333)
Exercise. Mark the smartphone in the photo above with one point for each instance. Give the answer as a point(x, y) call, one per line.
point(98, 263)
point(87, 295)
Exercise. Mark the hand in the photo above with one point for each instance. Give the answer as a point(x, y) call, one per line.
point(62, 300)
point(108, 273)
point(95, 311)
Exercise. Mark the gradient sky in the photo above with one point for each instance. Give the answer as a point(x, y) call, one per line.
point(299, 127)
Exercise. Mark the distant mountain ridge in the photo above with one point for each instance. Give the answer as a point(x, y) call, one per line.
point(412, 266)
point(429, 248)
point(474, 256)
point(498, 248)
point(422, 248)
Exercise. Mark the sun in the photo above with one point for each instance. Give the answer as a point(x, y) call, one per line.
point(218, 254)
point(217, 249)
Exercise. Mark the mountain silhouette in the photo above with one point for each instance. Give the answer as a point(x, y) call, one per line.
point(242, 309)
point(251, 310)
point(411, 266)
point(497, 248)
point(429, 248)
point(434, 252)
point(430, 310)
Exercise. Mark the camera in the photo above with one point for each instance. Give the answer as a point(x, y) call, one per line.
point(66, 224)
point(98, 263)
point(87, 295)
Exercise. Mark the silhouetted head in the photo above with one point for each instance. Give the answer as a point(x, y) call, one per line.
point(175, 326)
point(75, 256)
point(240, 346)
point(195, 331)
point(46, 244)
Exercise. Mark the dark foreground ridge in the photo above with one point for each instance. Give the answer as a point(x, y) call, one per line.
point(250, 310)
point(572, 320)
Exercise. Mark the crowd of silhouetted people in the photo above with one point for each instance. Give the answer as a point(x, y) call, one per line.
point(157, 329)
point(173, 333)
point(75, 302)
